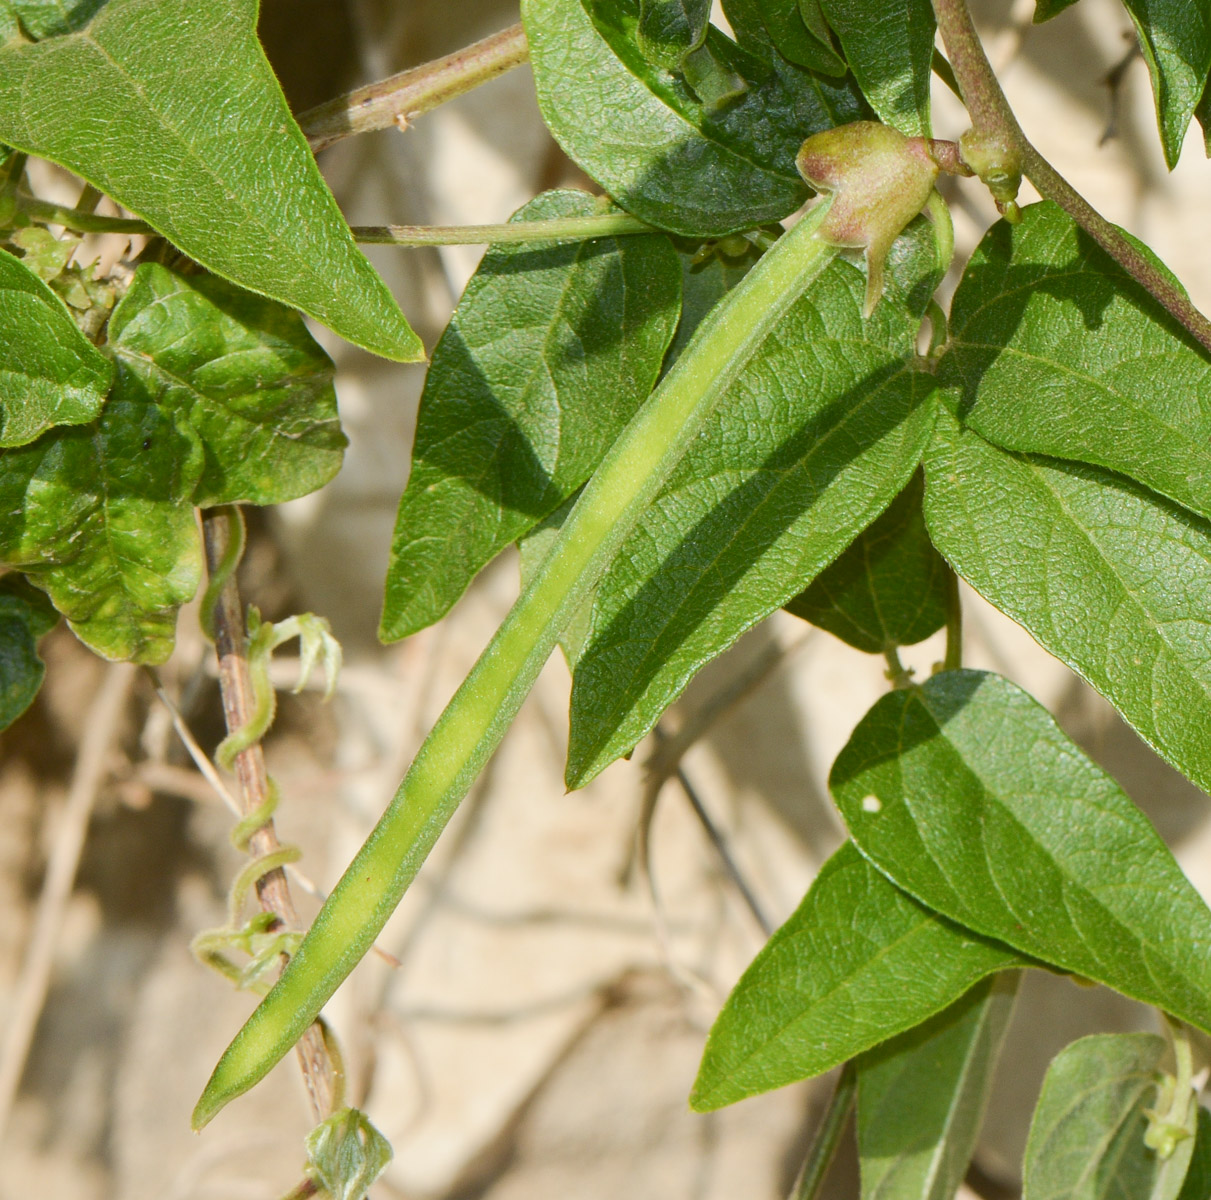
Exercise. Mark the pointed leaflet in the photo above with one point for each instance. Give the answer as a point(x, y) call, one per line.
point(812, 442)
point(888, 589)
point(1113, 580)
point(1056, 350)
point(799, 32)
point(173, 110)
point(921, 1096)
point(1044, 10)
point(967, 795)
point(25, 616)
point(100, 516)
point(640, 132)
point(549, 354)
point(889, 47)
point(1087, 1136)
point(243, 373)
point(857, 963)
point(1175, 37)
point(50, 373)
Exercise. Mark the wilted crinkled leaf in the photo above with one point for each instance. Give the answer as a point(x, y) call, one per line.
point(243, 373)
point(100, 515)
point(1175, 37)
point(25, 616)
point(1087, 1136)
point(640, 131)
point(549, 354)
point(857, 963)
point(889, 47)
point(173, 110)
point(1055, 350)
point(967, 795)
point(921, 1096)
point(823, 428)
point(888, 589)
point(50, 374)
point(1113, 580)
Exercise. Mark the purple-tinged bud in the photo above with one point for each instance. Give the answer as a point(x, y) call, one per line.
point(879, 180)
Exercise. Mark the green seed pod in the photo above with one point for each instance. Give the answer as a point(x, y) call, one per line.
point(880, 180)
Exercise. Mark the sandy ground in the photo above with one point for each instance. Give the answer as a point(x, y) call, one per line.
point(540, 1035)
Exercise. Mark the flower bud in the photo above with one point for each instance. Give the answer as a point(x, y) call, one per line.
point(879, 180)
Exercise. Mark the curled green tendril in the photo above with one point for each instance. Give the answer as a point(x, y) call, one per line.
point(236, 537)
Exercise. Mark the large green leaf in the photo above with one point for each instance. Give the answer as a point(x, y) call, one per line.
point(967, 794)
point(173, 110)
point(813, 441)
point(640, 131)
point(857, 963)
point(888, 589)
point(245, 375)
point(1087, 1136)
point(548, 356)
point(1175, 36)
point(1110, 578)
point(1055, 350)
point(921, 1096)
point(100, 517)
point(889, 47)
point(50, 373)
point(25, 616)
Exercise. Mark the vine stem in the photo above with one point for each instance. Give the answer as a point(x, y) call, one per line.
point(828, 1136)
point(992, 116)
point(403, 97)
point(239, 705)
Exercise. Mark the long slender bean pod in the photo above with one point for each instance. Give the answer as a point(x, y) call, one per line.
point(476, 719)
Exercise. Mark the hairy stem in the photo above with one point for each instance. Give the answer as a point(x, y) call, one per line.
point(824, 1148)
point(991, 115)
point(235, 685)
point(402, 97)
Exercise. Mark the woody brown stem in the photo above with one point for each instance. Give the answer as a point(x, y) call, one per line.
point(272, 889)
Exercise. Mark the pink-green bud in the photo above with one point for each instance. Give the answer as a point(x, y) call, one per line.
point(999, 165)
point(879, 180)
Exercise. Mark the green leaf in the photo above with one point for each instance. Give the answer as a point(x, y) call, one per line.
point(1175, 37)
point(100, 517)
point(658, 150)
point(346, 1154)
point(9, 26)
point(669, 29)
point(889, 47)
point(967, 795)
point(549, 354)
point(1203, 113)
point(25, 616)
point(857, 963)
point(49, 18)
point(1087, 1136)
point(1110, 578)
point(1044, 10)
point(174, 111)
point(243, 373)
point(50, 374)
point(888, 589)
point(1197, 1184)
point(1055, 350)
point(921, 1096)
point(799, 32)
point(815, 438)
